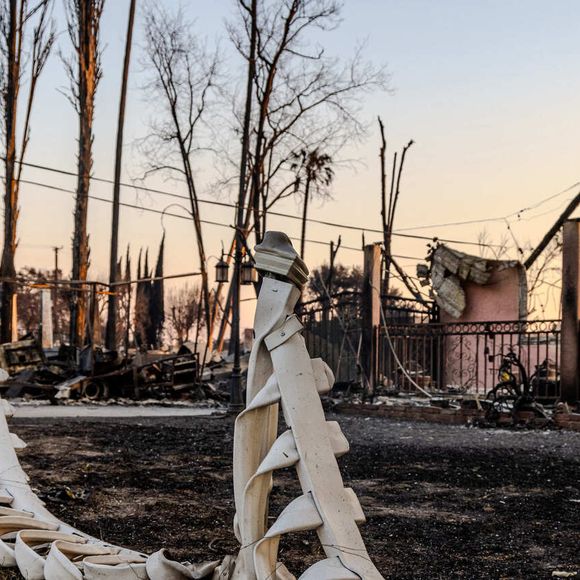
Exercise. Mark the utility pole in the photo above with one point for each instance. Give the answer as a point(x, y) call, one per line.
point(55, 313)
point(236, 403)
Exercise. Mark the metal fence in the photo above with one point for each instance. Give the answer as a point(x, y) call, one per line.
point(399, 310)
point(445, 357)
point(333, 327)
point(333, 330)
point(465, 357)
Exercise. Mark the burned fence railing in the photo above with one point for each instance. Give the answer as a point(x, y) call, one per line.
point(333, 330)
point(401, 310)
point(447, 357)
point(465, 357)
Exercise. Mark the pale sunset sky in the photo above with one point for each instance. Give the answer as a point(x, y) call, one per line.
point(487, 89)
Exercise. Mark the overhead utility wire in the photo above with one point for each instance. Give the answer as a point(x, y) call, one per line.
point(494, 219)
point(176, 215)
point(543, 201)
point(271, 213)
point(124, 204)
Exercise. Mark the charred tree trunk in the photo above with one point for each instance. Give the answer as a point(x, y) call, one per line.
point(254, 202)
point(7, 268)
point(386, 234)
point(388, 212)
point(315, 170)
point(111, 338)
point(304, 218)
point(18, 15)
point(84, 30)
point(80, 248)
point(200, 242)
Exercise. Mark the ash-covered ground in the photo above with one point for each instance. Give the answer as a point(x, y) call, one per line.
point(441, 501)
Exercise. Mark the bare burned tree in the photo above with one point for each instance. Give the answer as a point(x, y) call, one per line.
point(20, 55)
point(492, 251)
point(388, 209)
point(183, 81)
point(297, 98)
point(304, 98)
point(84, 72)
point(111, 335)
point(183, 312)
point(544, 278)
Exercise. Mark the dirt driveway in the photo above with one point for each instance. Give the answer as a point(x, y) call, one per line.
point(441, 501)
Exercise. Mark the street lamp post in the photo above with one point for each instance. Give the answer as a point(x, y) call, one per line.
point(236, 403)
point(221, 271)
point(248, 272)
point(244, 273)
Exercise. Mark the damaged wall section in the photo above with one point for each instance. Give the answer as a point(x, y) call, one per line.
point(474, 289)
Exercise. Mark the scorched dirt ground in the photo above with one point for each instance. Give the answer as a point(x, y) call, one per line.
point(441, 501)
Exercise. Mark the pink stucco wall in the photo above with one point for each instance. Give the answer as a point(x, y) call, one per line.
point(503, 298)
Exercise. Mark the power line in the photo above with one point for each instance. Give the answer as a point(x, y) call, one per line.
point(175, 215)
point(544, 213)
point(494, 219)
point(270, 213)
point(550, 198)
point(124, 204)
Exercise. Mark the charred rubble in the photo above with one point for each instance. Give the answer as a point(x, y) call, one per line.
point(95, 374)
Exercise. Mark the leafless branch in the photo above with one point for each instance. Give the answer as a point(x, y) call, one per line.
point(183, 80)
point(306, 99)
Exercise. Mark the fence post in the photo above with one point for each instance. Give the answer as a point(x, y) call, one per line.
point(46, 319)
point(570, 351)
point(14, 313)
point(371, 313)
